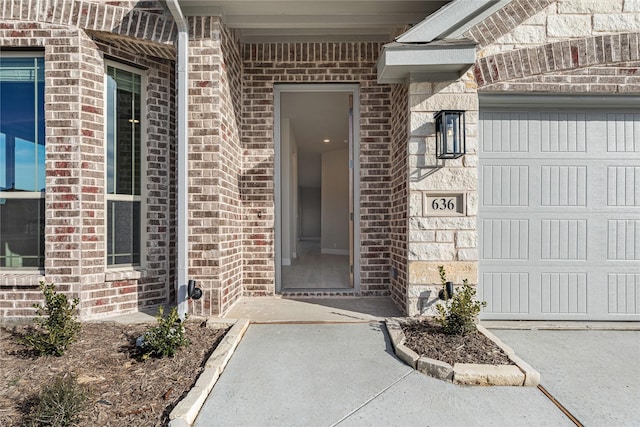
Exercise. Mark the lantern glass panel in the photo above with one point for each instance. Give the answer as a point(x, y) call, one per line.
point(450, 134)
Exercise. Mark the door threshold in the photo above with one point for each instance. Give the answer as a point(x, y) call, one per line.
point(337, 292)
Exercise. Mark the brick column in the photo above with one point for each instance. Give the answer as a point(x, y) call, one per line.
point(215, 209)
point(74, 249)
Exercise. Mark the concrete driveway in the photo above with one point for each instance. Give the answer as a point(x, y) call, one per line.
point(594, 374)
point(304, 364)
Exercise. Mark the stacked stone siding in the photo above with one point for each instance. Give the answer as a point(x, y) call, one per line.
point(505, 20)
point(570, 46)
point(268, 64)
point(75, 225)
point(448, 239)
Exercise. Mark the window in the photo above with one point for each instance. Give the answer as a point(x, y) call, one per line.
point(22, 161)
point(124, 146)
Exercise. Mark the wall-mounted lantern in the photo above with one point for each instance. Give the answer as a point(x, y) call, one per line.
point(450, 134)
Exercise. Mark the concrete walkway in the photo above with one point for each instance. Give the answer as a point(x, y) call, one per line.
point(347, 375)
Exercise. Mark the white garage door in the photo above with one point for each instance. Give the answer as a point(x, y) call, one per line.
point(559, 214)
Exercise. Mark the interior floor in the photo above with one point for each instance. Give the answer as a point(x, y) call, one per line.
point(315, 270)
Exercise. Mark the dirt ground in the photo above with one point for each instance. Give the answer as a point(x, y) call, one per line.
point(124, 391)
point(427, 339)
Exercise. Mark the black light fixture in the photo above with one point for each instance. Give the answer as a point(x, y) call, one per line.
point(450, 134)
point(192, 291)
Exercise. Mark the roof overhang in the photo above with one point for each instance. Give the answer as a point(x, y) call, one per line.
point(437, 61)
point(434, 49)
point(272, 21)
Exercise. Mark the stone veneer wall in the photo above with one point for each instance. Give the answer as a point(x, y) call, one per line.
point(539, 46)
point(448, 240)
point(75, 163)
point(567, 46)
point(215, 165)
point(268, 64)
point(399, 193)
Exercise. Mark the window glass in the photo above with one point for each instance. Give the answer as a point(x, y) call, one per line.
point(22, 162)
point(123, 132)
point(22, 124)
point(123, 121)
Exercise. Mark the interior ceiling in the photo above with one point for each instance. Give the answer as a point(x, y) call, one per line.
point(314, 117)
point(300, 20)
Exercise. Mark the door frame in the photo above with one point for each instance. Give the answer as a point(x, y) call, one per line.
point(354, 166)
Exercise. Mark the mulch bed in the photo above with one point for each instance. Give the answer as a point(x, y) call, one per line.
point(124, 390)
point(426, 338)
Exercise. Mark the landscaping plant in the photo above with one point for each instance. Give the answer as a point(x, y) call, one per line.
point(60, 403)
point(56, 326)
point(457, 314)
point(166, 337)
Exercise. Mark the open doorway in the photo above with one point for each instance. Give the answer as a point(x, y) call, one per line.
point(316, 238)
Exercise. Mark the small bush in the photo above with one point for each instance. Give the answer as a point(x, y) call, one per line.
point(164, 339)
point(59, 403)
point(56, 327)
point(457, 314)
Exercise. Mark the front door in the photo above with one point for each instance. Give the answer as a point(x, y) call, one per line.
point(315, 192)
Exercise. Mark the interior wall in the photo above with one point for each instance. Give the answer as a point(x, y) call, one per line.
point(310, 203)
point(335, 202)
point(289, 183)
point(285, 176)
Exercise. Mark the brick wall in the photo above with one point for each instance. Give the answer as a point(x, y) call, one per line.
point(75, 182)
point(268, 64)
point(399, 194)
point(215, 159)
point(232, 215)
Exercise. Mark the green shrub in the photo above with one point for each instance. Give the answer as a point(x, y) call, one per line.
point(457, 314)
point(164, 339)
point(59, 403)
point(56, 327)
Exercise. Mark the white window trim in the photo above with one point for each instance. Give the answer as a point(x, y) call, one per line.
point(24, 195)
point(142, 198)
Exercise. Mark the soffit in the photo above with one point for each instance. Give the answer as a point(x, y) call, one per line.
point(300, 20)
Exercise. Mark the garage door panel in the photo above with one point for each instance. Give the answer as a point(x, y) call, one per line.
point(559, 222)
point(623, 132)
point(623, 185)
point(563, 132)
point(624, 294)
point(563, 239)
point(507, 132)
point(623, 239)
point(506, 292)
point(563, 293)
point(506, 239)
point(505, 185)
point(563, 185)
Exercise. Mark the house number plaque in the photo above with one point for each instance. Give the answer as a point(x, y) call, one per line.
point(444, 204)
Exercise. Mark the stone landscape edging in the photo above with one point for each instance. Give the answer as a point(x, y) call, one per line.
point(186, 411)
point(520, 374)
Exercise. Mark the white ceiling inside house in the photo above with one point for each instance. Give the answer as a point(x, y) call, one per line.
point(300, 20)
point(314, 118)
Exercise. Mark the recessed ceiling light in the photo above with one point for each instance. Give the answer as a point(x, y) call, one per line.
point(326, 141)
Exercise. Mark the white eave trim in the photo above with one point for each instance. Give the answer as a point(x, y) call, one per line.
point(452, 20)
point(437, 61)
